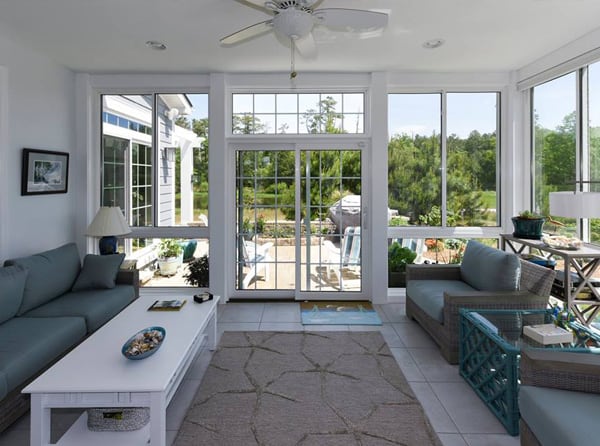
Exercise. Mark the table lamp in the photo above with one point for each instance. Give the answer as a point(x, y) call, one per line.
point(108, 224)
point(575, 204)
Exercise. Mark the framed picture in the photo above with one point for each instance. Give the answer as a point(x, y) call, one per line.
point(44, 172)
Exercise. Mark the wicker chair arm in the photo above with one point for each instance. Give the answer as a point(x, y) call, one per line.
point(433, 272)
point(561, 370)
point(488, 300)
point(130, 277)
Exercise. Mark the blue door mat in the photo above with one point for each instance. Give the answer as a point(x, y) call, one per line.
point(339, 313)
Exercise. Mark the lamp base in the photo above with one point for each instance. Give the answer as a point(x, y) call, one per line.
point(108, 245)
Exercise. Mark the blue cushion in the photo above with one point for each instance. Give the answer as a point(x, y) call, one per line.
point(12, 284)
point(51, 273)
point(29, 344)
point(98, 272)
point(429, 294)
point(96, 306)
point(489, 269)
point(560, 417)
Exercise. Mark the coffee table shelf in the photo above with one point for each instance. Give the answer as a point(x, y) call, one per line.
point(95, 373)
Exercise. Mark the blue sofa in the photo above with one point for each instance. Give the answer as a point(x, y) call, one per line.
point(486, 278)
point(49, 303)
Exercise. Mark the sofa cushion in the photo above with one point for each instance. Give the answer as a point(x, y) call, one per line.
point(489, 269)
point(51, 273)
point(558, 416)
point(96, 306)
point(429, 294)
point(3, 385)
point(98, 272)
point(12, 284)
point(29, 344)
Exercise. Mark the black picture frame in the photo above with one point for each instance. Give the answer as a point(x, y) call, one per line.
point(44, 172)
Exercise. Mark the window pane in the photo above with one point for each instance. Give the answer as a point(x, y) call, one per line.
point(553, 132)
point(414, 158)
point(471, 160)
point(594, 141)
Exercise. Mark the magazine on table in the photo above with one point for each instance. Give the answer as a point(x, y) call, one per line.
point(167, 305)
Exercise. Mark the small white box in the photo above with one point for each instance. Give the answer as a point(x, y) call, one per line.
point(548, 334)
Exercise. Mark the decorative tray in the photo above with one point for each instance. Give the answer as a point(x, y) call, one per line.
point(144, 343)
point(562, 242)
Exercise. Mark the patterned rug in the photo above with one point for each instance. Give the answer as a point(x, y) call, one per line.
point(304, 388)
point(339, 313)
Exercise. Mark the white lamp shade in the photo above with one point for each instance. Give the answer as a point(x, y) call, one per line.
point(575, 204)
point(108, 221)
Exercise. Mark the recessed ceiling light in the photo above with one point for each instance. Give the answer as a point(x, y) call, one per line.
point(156, 45)
point(433, 43)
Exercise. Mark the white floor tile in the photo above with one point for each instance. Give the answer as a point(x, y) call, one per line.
point(281, 326)
point(491, 440)
point(407, 365)
point(452, 440)
point(395, 312)
point(465, 408)
point(281, 312)
point(439, 418)
point(433, 366)
point(242, 312)
point(413, 336)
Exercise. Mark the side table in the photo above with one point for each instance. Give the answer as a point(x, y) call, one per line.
point(490, 342)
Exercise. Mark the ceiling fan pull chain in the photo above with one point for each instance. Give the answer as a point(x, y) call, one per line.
point(293, 73)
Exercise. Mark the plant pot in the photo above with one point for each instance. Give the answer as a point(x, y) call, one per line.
point(528, 228)
point(170, 265)
point(396, 279)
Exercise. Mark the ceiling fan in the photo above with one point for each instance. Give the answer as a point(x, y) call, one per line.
point(295, 20)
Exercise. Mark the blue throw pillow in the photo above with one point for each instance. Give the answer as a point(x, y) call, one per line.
point(12, 284)
point(98, 272)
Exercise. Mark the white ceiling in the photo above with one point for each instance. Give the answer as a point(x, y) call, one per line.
point(110, 35)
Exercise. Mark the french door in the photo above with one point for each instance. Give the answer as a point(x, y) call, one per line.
point(299, 222)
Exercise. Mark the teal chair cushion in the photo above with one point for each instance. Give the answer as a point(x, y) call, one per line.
point(489, 269)
point(29, 344)
point(12, 285)
point(96, 306)
point(560, 417)
point(51, 273)
point(98, 272)
point(429, 294)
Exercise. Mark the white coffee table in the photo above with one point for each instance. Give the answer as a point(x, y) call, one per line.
point(96, 374)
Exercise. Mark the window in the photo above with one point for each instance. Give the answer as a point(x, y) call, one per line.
point(437, 181)
point(155, 168)
point(298, 113)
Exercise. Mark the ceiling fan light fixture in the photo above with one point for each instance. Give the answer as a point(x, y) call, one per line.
point(433, 44)
point(293, 23)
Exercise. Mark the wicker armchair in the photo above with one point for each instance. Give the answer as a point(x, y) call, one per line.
point(534, 291)
point(549, 415)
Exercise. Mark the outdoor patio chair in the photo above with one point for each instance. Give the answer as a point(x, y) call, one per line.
point(347, 256)
point(257, 258)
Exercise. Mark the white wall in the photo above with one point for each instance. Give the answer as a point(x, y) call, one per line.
point(37, 100)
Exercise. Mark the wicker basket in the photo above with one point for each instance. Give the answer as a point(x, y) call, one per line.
point(118, 418)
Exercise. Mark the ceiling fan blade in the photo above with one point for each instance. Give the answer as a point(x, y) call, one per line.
point(248, 33)
point(350, 19)
point(306, 46)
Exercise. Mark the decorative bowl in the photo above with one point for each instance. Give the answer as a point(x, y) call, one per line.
point(144, 343)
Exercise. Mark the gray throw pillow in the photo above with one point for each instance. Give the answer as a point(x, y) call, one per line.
point(98, 272)
point(12, 284)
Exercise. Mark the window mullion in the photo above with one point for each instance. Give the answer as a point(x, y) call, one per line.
point(444, 158)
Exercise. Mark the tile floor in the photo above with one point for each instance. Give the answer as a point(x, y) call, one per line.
point(456, 413)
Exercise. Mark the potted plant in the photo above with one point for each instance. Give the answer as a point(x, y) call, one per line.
point(170, 256)
point(198, 272)
point(398, 257)
point(528, 225)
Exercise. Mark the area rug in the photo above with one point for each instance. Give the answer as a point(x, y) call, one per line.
point(304, 388)
point(339, 313)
